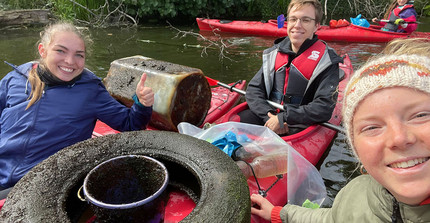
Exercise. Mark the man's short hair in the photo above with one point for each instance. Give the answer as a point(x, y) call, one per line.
point(300, 3)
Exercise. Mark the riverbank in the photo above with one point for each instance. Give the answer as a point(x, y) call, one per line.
point(25, 17)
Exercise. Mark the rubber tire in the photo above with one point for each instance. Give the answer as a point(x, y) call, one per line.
point(48, 192)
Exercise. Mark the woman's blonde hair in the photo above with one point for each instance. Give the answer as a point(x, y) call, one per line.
point(46, 36)
point(419, 46)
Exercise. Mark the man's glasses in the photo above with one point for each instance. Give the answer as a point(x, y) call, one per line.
point(304, 20)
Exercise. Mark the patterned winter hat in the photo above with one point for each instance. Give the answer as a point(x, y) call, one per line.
point(410, 71)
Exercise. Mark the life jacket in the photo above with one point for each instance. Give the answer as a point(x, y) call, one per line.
point(296, 78)
point(390, 26)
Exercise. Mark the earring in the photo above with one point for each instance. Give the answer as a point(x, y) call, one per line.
point(362, 170)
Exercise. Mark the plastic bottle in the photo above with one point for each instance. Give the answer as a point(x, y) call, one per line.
point(265, 166)
point(246, 153)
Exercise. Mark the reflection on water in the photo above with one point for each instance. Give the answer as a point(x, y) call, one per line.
point(241, 60)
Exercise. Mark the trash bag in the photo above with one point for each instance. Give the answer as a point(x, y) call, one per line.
point(304, 182)
point(338, 23)
point(358, 21)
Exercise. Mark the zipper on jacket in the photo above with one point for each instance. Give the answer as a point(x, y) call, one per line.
point(396, 217)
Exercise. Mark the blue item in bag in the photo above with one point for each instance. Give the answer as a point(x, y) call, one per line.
point(228, 143)
point(358, 21)
point(281, 20)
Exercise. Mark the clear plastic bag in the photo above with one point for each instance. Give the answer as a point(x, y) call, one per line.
point(303, 180)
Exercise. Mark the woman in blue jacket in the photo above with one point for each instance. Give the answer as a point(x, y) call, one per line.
point(55, 102)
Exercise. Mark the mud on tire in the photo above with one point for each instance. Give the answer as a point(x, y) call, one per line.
point(48, 192)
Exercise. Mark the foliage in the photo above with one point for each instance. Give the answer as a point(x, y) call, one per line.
point(422, 7)
point(3, 6)
point(63, 9)
point(75, 9)
point(24, 4)
point(270, 9)
point(188, 9)
point(185, 11)
point(426, 10)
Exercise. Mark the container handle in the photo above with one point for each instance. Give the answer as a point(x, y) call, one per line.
point(79, 194)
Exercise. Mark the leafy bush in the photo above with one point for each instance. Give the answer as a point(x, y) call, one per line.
point(24, 4)
point(426, 10)
point(185, 11)
point(188, 9)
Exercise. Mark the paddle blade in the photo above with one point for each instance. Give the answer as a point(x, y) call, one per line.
point(211, 81)
point(281, 20)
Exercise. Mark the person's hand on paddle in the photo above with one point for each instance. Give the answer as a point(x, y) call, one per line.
point(265, 207)
point(274, 125)
point(375, 20)
point(144, 94)
point(399, 21)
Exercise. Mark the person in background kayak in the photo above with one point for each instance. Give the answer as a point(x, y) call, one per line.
point(299, 71)
point(54, 103)
point(402, 17)
point(386, 114)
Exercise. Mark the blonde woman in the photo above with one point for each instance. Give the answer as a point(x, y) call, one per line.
point(55, 102)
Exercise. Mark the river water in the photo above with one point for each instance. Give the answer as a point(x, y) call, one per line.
point(240, 59)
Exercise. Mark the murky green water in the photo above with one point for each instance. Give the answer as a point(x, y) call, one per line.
point(240, 60)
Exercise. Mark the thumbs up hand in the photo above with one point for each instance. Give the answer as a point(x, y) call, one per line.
point(144, 94)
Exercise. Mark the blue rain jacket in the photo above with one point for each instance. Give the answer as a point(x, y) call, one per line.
point(63, 116)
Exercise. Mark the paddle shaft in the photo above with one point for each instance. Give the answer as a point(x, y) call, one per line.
point(386, 20)
point(280, 107)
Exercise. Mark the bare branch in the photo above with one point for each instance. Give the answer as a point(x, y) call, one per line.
point(220, 44)
point(103, 16)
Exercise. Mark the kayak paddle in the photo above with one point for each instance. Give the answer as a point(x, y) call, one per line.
point(386, 20)
point(213, 82)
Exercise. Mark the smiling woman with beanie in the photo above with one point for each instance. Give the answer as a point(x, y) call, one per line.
point(386, 114)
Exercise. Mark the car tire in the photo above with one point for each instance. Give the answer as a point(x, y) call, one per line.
point(47, 193)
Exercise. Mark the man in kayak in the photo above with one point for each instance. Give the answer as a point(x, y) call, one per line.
point(54, 103)
point(299, 71)
point(402, 17)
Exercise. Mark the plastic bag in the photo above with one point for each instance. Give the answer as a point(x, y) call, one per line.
point(280, 21)
point(358, 21)
point(303, 179)
point(338, 23)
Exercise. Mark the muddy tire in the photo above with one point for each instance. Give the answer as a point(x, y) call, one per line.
point(48, 192)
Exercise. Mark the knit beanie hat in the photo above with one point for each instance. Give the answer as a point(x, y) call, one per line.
point(410, 71)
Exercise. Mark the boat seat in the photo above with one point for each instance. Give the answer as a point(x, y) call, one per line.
point(225, 21)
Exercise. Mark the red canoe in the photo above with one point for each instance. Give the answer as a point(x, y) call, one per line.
point(350, 33)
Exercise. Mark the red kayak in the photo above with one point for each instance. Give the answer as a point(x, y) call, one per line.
point(349, 33)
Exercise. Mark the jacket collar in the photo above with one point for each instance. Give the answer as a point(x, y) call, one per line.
point(23, 69)
point(285, 45)
point(381, 203)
